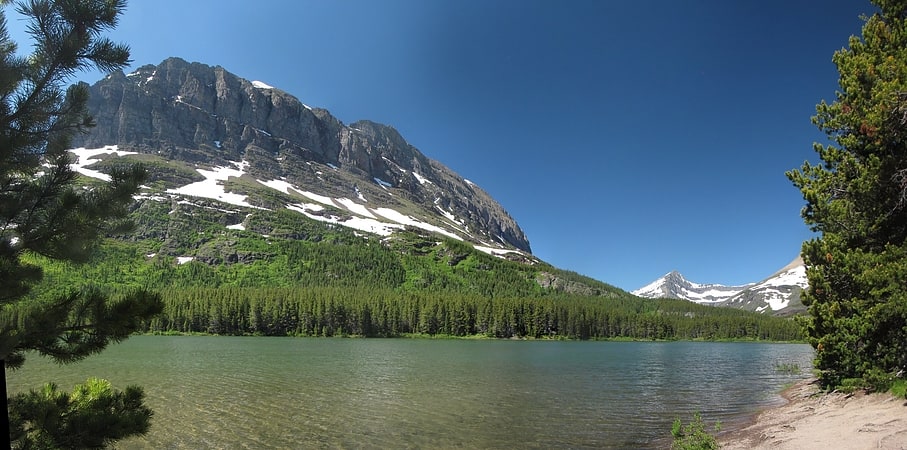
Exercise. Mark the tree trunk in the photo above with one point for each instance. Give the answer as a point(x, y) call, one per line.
point(4, 415)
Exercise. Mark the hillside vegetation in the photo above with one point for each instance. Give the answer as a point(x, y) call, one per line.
point(282, 274)
point(260, 215)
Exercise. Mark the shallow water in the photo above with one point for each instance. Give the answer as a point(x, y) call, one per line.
point(257, 392)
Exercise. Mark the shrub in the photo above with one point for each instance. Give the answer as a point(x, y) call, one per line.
point(693, 436)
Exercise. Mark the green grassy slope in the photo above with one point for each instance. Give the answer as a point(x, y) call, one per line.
point(284, 274)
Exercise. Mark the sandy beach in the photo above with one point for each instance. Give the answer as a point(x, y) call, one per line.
point(812, 419)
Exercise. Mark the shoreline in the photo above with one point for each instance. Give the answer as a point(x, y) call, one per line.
point(812, 419)
point(466, 337)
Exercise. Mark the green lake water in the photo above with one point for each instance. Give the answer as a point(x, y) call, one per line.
point(257, 392)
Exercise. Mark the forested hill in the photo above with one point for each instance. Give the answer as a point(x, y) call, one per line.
point(262, 215)
point(286, 276)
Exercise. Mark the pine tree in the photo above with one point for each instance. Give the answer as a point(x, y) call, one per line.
point(45, 212)
point(856, 199)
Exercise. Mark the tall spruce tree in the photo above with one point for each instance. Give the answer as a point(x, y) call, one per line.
point(45, 212)
point(856, 199)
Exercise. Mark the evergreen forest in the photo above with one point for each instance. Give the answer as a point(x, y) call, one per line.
point(288, 275)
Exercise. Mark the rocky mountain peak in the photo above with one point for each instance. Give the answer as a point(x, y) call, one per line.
point(779, 293)
point(674, 276)
point(206, 116)
point(674, 285)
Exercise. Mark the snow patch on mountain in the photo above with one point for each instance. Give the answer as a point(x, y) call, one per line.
point(448, 215)
point(403, 219)
point(421, 179)
point(261, 85)
point(355, 208)
point(776, 298)
point(779, 292)
point(674, 285)
point(86, 157)
point(318, 198)
point(316, 212)
point(278, 185)
point(494, 251)
point(380, 221)
point(211, 187)
point(365, 219)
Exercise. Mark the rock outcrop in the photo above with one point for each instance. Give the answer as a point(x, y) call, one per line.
point(209, 117)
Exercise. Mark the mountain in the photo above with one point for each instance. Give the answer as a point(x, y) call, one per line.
point(243, 176)
point(674, 285)
point(262, 215)
point(204, 132)
point(778, 294)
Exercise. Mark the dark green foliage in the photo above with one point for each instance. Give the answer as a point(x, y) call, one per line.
point(74, 323)
point(288, 275)
point(324, 311)
point(92, 416)
point(788, 368)
point(857, 199)
point(341, 284)
point(693, 436)
point(43, 211)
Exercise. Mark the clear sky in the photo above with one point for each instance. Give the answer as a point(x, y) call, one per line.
point(627, 138)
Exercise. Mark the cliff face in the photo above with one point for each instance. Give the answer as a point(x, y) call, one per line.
point(205, 115)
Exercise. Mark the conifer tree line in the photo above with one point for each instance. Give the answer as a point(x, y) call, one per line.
point(326, 311)
point(344, 286)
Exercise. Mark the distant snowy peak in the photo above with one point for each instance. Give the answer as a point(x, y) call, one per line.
point(662, 287)
point(674, 285)
point(777, 294)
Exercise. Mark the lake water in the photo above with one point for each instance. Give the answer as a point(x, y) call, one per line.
point(257, 392)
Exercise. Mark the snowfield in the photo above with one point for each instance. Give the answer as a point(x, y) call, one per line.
point(86, 157)
point(381, 221)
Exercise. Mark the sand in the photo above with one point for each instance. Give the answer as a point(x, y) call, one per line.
point(829, 421)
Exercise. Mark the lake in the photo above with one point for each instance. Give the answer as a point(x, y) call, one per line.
point(260, 392)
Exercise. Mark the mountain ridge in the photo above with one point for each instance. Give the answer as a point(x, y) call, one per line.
point(213, 141)
point(346, 231)
point(674, 285)
point(206, 116)
point(778, 293)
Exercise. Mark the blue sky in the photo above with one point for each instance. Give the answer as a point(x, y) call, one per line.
point(627, 138)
